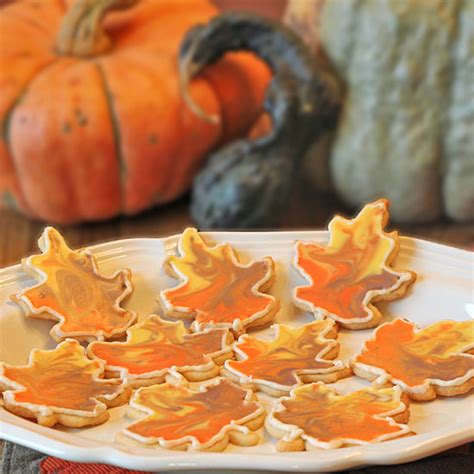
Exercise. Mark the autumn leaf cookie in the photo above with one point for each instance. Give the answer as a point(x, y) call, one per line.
point(316, 416)
point(353, 271)
point(208, 419)
point(424, 363)
point(61, 386)
point(156, 348)
point(216, 289)
point(72, 291)
point(296, 355)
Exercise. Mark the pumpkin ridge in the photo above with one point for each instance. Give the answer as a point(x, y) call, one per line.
point(32, 23)
point(6, 127)
point(37, 25)
point(178, 173)
point(122, 166)
point(81, 143)
point(163, 168)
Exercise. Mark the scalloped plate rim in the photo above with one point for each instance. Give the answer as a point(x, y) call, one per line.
point(48, 441)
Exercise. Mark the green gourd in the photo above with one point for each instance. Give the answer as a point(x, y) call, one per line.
point(407, 127)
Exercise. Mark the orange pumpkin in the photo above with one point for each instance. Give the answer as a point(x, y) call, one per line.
point(93, 123)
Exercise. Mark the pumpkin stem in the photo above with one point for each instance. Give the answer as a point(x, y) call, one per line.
point(82, 33)
point(247, 183)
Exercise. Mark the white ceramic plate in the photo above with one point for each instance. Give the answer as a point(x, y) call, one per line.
point(444, 289)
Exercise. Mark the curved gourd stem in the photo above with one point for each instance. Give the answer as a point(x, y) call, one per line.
point(82, 33)
point(247, 183)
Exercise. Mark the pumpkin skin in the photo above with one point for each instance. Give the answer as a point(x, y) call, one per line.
point(406, 132)
point(90, 138)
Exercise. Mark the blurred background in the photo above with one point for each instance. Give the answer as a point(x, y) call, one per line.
point(116, 117)
point(106, 124)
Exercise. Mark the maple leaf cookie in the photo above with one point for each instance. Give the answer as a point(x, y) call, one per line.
point(156, 348)
point(208, 419)
point(316, 416)
point(297, 355)
point(353, 271)
point(216, 289)
point(61, 386)
point(72, 291)
point(423, 363)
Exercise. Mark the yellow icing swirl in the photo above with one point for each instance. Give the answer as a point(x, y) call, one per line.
point(73, 291)
point(63, 378)
point(215, 286)
point(178, 412)
point(156, 345)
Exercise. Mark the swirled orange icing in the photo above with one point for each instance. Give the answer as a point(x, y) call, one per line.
point(176, 412)
point(216, 288)
point(327, 417)
point(157, 345)
point(352, 265)
point(415, 357)
point(63, 378)
point(73, 291)
point(292, 352)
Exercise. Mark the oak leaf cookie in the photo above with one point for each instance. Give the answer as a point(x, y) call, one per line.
point(72, 291)
point(216, 289)
point(208, 419)
point(156, 348)
point(423, 363)
point(316, 416)
point(296, 355)
point(61, 386)
point(353, 271)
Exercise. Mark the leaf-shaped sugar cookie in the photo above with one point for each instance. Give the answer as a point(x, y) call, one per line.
point(316, 416)
point(205, 420)
point(155, 347)
point(423, 363)
point(353, 271)
point(61, 386)
point(72, 291)
point(216, 289)
point(297, 355)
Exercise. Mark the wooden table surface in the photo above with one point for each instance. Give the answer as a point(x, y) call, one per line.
point(307, 210)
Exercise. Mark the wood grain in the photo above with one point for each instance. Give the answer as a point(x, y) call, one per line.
point(306, 210)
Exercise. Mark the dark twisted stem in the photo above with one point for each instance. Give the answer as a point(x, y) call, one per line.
point(246, 183)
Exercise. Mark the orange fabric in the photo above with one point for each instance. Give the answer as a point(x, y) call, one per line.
point(51, 465)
